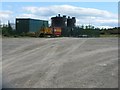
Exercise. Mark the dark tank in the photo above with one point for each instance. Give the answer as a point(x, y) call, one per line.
point(58, 21)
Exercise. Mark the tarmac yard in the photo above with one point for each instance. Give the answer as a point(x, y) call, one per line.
point(60, 62)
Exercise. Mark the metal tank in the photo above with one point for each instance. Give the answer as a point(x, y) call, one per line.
point(58, 21)
point(71, 21)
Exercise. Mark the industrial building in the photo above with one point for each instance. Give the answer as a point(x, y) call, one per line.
point(66, 23)
point(63, 21)
point(29, 25)
point(58, 21)
point(60, 26)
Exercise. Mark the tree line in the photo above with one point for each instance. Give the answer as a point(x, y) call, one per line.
point(7, 31)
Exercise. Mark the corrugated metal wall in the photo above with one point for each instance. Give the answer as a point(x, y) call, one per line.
point(22, 25)
point(35, 25)
point(29, 25)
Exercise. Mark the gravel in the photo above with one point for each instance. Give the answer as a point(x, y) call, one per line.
point(60, 62)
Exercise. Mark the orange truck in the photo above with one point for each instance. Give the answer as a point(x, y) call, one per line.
point(49, 32)
point(56, 31)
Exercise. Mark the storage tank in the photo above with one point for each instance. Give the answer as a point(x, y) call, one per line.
point(71, 21)
point(58, 21)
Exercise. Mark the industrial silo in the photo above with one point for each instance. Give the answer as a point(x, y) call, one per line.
point(58, 21)
point(71, 21)
point(70, 25)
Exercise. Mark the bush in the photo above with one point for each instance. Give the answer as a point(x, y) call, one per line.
point(23, 34)
point(31, 34)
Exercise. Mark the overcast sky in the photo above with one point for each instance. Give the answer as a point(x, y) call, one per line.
point(99, 14)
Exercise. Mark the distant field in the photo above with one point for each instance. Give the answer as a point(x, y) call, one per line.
point(60, 62)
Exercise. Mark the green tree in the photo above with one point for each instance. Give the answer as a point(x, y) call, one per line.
point(7, 30)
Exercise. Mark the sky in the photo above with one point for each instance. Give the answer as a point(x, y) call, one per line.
point(99, 14)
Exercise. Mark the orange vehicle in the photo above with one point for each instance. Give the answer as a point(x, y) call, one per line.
point(44, 32)
point(56, 31)
point(49, 32)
